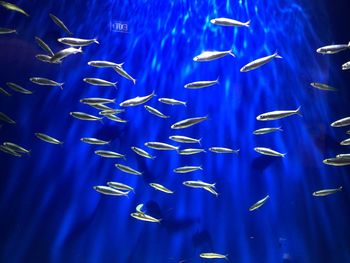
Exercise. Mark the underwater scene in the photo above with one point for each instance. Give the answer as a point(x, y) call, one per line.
point(174, 131)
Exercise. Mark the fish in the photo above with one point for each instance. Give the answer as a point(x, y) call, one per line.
point(127, 169)
point(345, 142)
point(144, 217)
point(326, 192)
point(44, 46)
point(222, 150)
point(60, 24)
point(172, 102)
point(109, 154)
point(13, 7)
point(161, 146)
point(4, 92)
point(188, 122)
point(120, 186)
point(15, 147)
point(18, 88)
point(266, 130)
point(348, 132)
point(139, 208)
point(96, 141)
point(94, 101)
point(100, 82)
point(47, 138)
point(103, 64)
point(187, 169)
point(156, 112)
point(259, 203)
point(137, 100)
point(100, 107)
point(110, 112)
point(106, 190)
point(337, 161)
point(77, 42)
point(268, 151)
point(57, 57)
point(119, 69)
point(259, 62)
point(46, 58)
point(322, 86)
point(84, 116)
point(161, 188)
point(7, 150)
point(46, 82)
point(332, 49)
point(7, 31)
point(341, 123)
point(211, 190)
point(198, 184)
point(142, 152)
point(6, 118)
point(211, 55)
point(201, 84)
point(222, 21)
point(345, 66)
point(190, 151)
point(115, 118)
point(344, 155)
point(185, 139)
point(275, 115)
point(213, 255)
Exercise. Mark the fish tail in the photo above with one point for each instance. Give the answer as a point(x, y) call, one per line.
point(231, 53)
point(199, 141)
point(133, 80)
point(217, 80)
point(213, 185)
point(96, 41)
point(340, 188)
point(280, 129)
point(115, 83)
point(61, 85)
point(349, 45)
point(200, 167)
point(276, 55)
point(101, 120)
point(283, 154)
point(247, 24)
point(298, 111)
point(226, 257)
point(185, 103)
point(154, 157)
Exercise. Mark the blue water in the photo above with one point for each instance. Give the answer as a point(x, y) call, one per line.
point(49, 210)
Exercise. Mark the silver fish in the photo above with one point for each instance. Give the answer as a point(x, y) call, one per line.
point(110, 112)
point(332, 49)
point(7, 31)
point(259, 203)
point(222, 21)
point(337, 161)
point(7, 150)
point(77, 42)
point(109, 154)
point(57, 57)
point(344, 155)
point(345, 142)
point(60, 23)
point(4, 92)
point(268, 151)
point(115, 118)
point(190, 151)
point(103, 64)
point(137, 101)
point(94, 101)
point(185, 139)
point(106, 190)
point(341, 123)
point(144, 217)
point(172, 101)
point(222, 150)
point(326, 192)
point(187, 169)
point(322, 86)
point(142, 152)
point(161, 146)
point(211, 55)
point(6, 118)
point(47, 138)
point(84, 116)
point(47, 59)
point(13, 7)
point(15, 147)
point(266, 130)
point(348, 132)
point(44, 46)
point(120, 186)
point(259, 62)
point(213, 255)
point(161, 188)
point(96, 141)
point(100, 82)
point(201, 84)
point(119, 69)
point(101, 107)
point(188, 122)
point(156, 112)
point(18, 88)
point(46, 82)
point(345, 66)
point(198, 184)
point(127, 169)
point(211, 190)
point(275, 115)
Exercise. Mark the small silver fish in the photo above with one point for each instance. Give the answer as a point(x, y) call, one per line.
point(57, 57)
point(222, 150)
point(127, 169)
point(4, 92)
point(275, 115)
point(266, 130)
point(161, 146)
point(213, 255)
point(326, 192)
point(44, 46)
point(332, 49)
point(172, 102)
point(119, 69)
point(77, 42)
point(187, 169)
point(137, 100)
point(345, 142)
point(259, 62)
point(344, 155)
point(198, 184)
point(6, 118)
point(15, 147)
point(142, 152)
point(94, 101)
point(100, 82)
point(115, 118)
point(60, 23)
point(211, 55)
point(341, 123)
point(156, 112)
point(96, 141)
point(190, 151)
point(120, 186)
point(144, 217)
point(222, 21)
point(84, 116)
point(322, 86)
point(259, 203)
point(101, 107)
point(185, 139)
point(110, 112)
point(47, 138)
point(161, 188)
point(13, 7)
point(7, 150)
point(7, 31)
point(109, 154)
point(106, 190)
point(47, 59)
point(18, 88)
point(46, 82)
point(268, 151)
point(337, 161)
point(201, 84)
point(345, 66)
point(188, 122)
point(103, 64)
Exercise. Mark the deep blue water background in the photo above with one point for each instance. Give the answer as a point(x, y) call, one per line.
point(49, 210)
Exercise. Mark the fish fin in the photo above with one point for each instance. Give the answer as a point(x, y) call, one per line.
point(120, 64)
point(298, 111)
point(154, 157)
point(247, 24)
point(134, 81)
point(283, 154)
point(226, 257)
point(199, 141)
point(340, 188)
point(96, 41)
point(124, 157)
point(280, 129)
point(349, 45)
point(185, 104)
point(101, 120)
point(231, 53)
point(276, 55)
point(200, 167)
point(217, 80)
point(61, 85)
point(213, 185)
point(115, 83)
